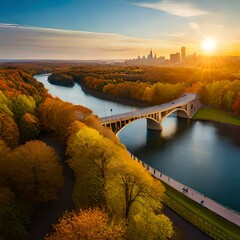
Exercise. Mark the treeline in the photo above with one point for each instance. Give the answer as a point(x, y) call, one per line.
point(110, 189)
point(30, 171)
point(218, 87)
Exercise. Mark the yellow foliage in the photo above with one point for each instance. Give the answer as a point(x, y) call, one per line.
point(34, 172)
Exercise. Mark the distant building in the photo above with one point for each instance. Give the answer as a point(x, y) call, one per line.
point(149, 60)
point(150, 56)
point(183, 54)
point(175, 58)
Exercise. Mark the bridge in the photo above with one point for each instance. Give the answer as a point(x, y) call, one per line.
point(186, 106)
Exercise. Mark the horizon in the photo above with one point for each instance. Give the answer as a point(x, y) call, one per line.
point(119, 29)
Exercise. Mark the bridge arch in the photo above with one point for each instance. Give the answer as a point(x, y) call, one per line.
point(186, 106)
point(153, 123)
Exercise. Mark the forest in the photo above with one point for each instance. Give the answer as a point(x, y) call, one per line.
point(218, 87)
point(114, 197)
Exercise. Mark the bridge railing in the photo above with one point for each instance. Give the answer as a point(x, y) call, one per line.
point(225, 212)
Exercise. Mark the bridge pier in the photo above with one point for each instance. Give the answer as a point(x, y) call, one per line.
point(153, 125)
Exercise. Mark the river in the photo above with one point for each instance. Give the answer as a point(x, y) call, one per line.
point(203, 155)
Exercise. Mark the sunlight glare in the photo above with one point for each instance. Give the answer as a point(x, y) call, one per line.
point(209, 45)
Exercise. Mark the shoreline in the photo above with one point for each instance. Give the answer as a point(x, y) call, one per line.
point(210, 114)
point(106, 96)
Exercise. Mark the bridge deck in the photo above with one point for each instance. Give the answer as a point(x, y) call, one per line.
point(183, 100)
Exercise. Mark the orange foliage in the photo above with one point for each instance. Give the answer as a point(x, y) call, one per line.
point(87, 224)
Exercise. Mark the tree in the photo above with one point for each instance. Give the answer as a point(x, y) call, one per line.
point(5, 105)
point(23, 104)
point(91, 158)
point(56, 115)
point(8, 130)
point(29, 127)
point(133, 189)
point(33, 172)
point(149, 226)
point(87, 224)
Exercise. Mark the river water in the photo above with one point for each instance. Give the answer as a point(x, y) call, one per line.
point(203, 155)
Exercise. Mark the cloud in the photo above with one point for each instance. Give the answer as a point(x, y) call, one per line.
point(175, 34)
point(174, 8)
point(195, 27)
point(214, 26)
point(19, 41)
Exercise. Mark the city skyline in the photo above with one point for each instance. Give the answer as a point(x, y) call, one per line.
point(119, 29)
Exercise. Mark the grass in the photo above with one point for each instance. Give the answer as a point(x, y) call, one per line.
point(213, 114)
point(212, 224)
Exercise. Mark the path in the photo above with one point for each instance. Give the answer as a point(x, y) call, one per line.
point(50, 212)
point(187, 230)
point(212, 205)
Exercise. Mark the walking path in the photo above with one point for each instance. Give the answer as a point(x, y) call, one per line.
point(212, 205)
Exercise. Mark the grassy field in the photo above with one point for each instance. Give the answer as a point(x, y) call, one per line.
point(210, 223)
point(213, 114)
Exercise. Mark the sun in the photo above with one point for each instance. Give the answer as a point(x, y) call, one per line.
point(209, 45)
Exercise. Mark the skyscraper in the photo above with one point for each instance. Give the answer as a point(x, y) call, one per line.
point(150, 56)
point(183, 54)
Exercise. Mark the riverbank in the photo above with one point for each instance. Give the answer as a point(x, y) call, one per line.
point(105, 96)
point(216, 115)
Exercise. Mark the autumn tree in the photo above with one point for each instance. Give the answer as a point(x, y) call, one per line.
point(148, 225)
point(56, 115)
point(132, 188)
point(94, 122)
point(91, 155)
point(106, 176)
point(23, 104)
point(9, 131)
point(33, 172)
point(29, 127)
point(87, 224)
point(5, 105)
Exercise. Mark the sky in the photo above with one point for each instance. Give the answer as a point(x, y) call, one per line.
point(115, 29)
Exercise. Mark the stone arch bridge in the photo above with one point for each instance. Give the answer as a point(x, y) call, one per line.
point(186, 106)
